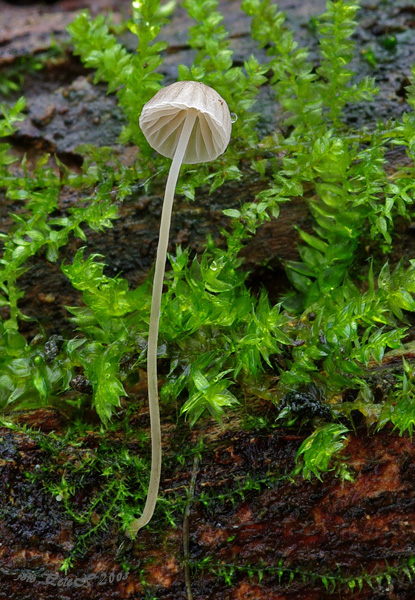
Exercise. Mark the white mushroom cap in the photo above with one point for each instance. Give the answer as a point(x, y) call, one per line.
point(163, 117)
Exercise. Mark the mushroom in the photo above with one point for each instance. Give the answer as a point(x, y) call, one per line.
point(190, 123)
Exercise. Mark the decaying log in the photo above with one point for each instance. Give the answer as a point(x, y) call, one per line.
point(244, 517)
point(244, 528)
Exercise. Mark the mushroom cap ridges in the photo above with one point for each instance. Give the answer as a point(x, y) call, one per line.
point(163, 117)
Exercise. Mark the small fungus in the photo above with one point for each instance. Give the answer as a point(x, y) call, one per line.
point(190, 123)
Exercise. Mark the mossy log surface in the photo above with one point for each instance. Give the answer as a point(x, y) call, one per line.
point(318, 528)
point(242, 513)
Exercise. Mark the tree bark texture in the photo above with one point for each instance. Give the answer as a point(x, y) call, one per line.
point(248, 530)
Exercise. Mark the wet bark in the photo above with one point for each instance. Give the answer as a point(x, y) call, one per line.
point(242, 510)
point(244, 516)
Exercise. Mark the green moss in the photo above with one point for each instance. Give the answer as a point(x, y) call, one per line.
point(220, 341)
point(12, 77)
point(333, 582)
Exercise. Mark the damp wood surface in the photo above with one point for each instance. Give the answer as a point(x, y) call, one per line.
point(244, 514)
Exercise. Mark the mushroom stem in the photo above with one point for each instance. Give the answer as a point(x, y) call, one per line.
point(154, 483)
